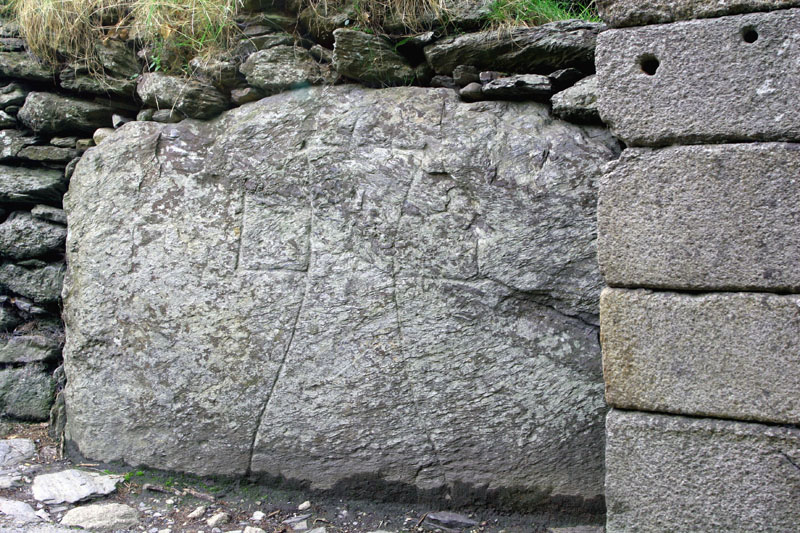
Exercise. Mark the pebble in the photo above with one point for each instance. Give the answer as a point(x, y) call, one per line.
point(251, 529)
point(218, 519)
point(296, 519)
point(170, 502)
point(318, 530)
point(306, 505)
point(197, 513)
point(300, 526)
point(258, 516)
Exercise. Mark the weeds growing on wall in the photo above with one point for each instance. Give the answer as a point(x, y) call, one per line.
point(175, 30)
point(509, 13)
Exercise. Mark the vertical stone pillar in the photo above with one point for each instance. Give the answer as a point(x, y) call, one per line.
point(699, 243)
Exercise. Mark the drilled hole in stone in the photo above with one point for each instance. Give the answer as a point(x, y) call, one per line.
point(749, 34)
point(649, 64)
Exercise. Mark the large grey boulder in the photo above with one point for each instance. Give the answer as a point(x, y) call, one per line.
point(34, 279)
point(341, 283)
point(539, 49)
point(618, 13)
point(708, 217)
point(31, 185)
point(671, 473)
point(51, 114)
point(26, 392)
point(191, 98)
point(736, 82)
point(283, 67)
point(728, 355)
point(370, 59)
point(22, 236)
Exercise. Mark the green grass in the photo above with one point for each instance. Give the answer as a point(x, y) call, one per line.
point(509, 13)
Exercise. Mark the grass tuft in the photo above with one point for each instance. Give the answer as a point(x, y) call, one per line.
point(511, 13)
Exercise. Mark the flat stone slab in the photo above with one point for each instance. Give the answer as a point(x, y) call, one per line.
point(618, 13)
point(20, 512)
point(703, 217)
point(672, 473)
point(342, 280)
point(703, 81)
point(70, 486)
point(728, 355)
point(102, 516)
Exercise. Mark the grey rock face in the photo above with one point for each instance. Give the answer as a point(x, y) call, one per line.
point(618, 13)
point(189, 97)
point(728, 355)
point(70, 486)
point(20, 512)
point(102, 516)
point(540, 49)
point(341, 281)
point(26, 392)
point(47, 154)
point(578, 103)
point(22, 65)
point(31, 186)
point(718, 217)
point(12, 94)
point(519, 87)
point(78, 79)
point(50, 114)
point(29, 348)
point(15, 451)
point(11, 142)
point(37, 280)
point(670, 473)
point(283, 67)
point(370, 59)
point(731, 84)
point(49, 213)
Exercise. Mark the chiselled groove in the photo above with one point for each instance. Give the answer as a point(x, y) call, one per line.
point(282, 367)
point(401, 342)
point(241, 233)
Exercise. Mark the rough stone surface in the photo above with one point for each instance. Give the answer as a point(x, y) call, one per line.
point(728, 355)
point(31, 185)
point(709, 83)
point(50, 114)
point(29, 348)
point(336, 282)
point(671, 473)
point(283, 67)
point(618, 13)
point(102, 516)
point(519, 87)
point(20, 512)
point(192, 98)
point(370, 59)
point(22, 65)
point(34, 279)
point(540, 49)
point(26, 392)
point(12, 94)
point(22, 236)
point(70, 486)
point(715, 217)
point(11, 142)
point(578, 103)
point(15, 451)
point(47, 154)
point(50, 214)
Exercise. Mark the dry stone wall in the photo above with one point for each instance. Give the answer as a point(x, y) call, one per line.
point(699, 244)
point(274, 271)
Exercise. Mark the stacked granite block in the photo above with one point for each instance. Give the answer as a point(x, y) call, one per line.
point(699, 240)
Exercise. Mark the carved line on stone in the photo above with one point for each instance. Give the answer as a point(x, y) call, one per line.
point(241, 232)
point(282, 367)
point(436, 456)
